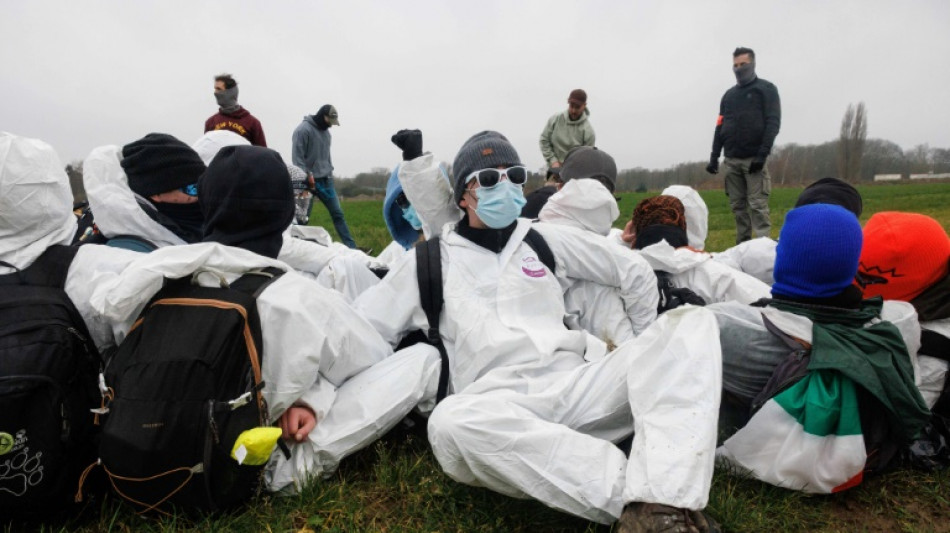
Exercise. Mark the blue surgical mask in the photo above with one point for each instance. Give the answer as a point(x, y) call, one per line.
point(411, 217)
point(500, 205)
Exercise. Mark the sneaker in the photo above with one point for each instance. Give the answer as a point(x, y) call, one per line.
point(656, 518)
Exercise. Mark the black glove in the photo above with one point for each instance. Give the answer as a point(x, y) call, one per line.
point(713, 166)
point(756, 166)
point(410, 142)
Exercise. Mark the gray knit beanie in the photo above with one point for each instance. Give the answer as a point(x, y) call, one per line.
point(589, 162)
point(488, 149)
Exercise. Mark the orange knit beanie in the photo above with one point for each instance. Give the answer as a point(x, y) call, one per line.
point(903, 254)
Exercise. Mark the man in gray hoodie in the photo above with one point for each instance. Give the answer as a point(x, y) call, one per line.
point(311, 152)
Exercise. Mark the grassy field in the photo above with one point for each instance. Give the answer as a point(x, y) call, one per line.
point(933, 199)
point(396, 485)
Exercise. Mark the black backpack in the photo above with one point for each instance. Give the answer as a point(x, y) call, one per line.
point(184, 384)
point(429, 276)
point(48, 385)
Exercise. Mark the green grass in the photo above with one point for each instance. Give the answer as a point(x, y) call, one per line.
point(365, 218)
point(396, 485)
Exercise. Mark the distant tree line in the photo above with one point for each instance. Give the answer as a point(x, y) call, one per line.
point(796, 164)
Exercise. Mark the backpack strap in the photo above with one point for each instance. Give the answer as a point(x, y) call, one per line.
point(49, 270)
point(255, 281)
point(540, 247)
point(429, 276)
point(789, 371)
point(934, 344)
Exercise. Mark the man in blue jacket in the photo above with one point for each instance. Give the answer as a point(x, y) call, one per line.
point(311, 152)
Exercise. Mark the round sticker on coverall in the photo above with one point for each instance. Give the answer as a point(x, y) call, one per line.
point(532, 267)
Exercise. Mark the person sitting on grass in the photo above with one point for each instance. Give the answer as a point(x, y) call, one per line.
point(659, 225)
point(332, 389)
point(817, 369)
point(527, 415)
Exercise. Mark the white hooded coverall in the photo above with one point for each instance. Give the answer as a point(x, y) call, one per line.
point(117, 212)
point(530, 417)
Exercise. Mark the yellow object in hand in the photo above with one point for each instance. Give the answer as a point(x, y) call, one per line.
point(254, 446)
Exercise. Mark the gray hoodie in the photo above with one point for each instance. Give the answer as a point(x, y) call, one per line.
point(311, 148)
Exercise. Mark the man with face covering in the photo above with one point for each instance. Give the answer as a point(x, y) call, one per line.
point(311, 152)
point(527, 415)
point(232, 116)
point(750, 115)
point(321, 361)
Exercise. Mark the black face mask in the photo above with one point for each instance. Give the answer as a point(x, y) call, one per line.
point(745, 73)
point(186, 220)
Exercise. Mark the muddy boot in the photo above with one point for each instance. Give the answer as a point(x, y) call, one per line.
point(656, 518)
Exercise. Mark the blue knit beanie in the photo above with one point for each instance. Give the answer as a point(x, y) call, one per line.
point(818, 251)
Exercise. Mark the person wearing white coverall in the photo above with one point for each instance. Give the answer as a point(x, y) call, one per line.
point(662, 241)
point(586, 203)
point(117, 212)
point(529, 417)
point(424, 181)
point(331, 380)
point(36, 213)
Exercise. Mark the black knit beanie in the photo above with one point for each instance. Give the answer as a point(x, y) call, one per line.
point(159, 163)
point(488, 149)
point(247, 199)
point(832, 191)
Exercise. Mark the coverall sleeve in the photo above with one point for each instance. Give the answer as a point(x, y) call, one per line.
point(311, 335)
point(582, 255)
point(393, 307)
point(547, 149)
point(773, 119)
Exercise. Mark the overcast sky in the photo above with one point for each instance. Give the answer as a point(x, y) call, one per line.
point(80, 74)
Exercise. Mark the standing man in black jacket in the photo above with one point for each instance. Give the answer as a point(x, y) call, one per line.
point(750, 115)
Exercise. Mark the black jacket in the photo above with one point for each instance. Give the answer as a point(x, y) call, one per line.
point(749, 119)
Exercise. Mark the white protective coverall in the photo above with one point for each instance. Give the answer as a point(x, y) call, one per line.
point(530, 417)
point(588, 205)
point(426, 185)
point(117, 212)
point(36, 213)
point(713, 281)
point(697, 214)
point(317, 352)
point(755, 257)
point(208, 145)
point(933, 371)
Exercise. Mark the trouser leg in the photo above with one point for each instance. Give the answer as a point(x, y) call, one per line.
point(366, 406)
point(555, 446)
point(759, 187)
point(327, 195)
point(736, 172)
point(674, 380)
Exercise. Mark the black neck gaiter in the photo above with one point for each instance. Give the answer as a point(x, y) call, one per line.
point(488, 238)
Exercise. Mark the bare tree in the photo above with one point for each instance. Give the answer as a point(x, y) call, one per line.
point(851, 142)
